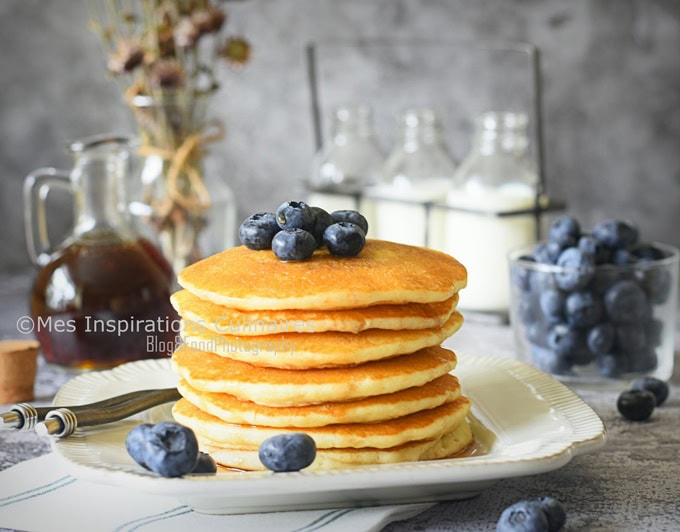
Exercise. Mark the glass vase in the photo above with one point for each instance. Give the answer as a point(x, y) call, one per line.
point(172, 201)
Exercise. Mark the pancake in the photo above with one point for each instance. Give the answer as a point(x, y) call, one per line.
point(202, 313)
point(448, 445)
point(426, 424)
point(228, 408)
point(283, 387)
point(320, 350)
point(384, 272)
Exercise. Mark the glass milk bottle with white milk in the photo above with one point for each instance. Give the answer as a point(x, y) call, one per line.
point(349, 161)
point(494, 180)
point(418, 171)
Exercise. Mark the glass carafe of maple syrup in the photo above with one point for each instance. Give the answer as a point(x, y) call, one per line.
point(101, 297)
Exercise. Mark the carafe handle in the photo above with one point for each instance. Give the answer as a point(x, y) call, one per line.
point(37, 186)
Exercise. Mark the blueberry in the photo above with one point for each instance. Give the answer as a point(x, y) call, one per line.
point(648, 252)
point(552, 304)
point(295, 215)
point(523, 516)
point(520, 273)
point(536, 333)
point(654, 332)
point(565, 340)
point(623, 257)
point(578, 268)
point(616, 233)
point(321, 220)
point(205, 464)
point(658, 387)
point(564, 231)
point(527, 311)
point(600, 338)
point(656, 282)
point(288, 452)
point(136, 443)
point(643, 361)
point(549, 361)
point(636, 405)
point(611, 365)
point(539, 281)
point(293, 244)
point(256, 231)
point(344, 239)
point(607, 276)
point(625, 302)
point(353, 217)
point(554, 511)
point(547, 252)
point(172, 449)
point(630, 338)
point(582, 309)
point(589, 244)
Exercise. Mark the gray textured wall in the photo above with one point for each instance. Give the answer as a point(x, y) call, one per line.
point(612, 95)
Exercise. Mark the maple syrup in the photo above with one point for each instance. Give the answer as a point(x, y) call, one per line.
point(101, 297)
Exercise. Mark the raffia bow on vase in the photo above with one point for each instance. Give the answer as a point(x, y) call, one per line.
point(173, 192)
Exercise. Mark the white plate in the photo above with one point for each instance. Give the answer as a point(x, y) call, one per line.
point(526, 421)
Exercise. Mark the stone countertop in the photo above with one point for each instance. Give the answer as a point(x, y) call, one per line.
point(631, 484)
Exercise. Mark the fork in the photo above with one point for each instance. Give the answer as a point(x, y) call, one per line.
point(63, 421)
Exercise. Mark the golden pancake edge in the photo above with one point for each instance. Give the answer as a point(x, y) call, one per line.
point(383, 273)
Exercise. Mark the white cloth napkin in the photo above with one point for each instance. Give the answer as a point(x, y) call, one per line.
point(41, 495)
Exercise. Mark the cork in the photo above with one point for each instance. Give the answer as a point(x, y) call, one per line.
point(18, 364)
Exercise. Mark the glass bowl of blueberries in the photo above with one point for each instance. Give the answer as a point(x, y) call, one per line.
point(595, 308)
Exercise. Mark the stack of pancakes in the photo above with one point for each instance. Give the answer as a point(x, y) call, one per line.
point(346, 350)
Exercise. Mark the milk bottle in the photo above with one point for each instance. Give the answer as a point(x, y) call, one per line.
point(350, 160)
point(418, 171)
point(495, 180)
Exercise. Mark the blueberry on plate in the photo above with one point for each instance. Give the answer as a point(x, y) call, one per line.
point(564, 231)
point(554, 511)
point(577, 269)
point(523, 516)
point(583, 309)
point(321, 220)
point(601, 338)
point(353, 217)
point(616, 233)
point(205, 464)
point(293, 245)
point(295, 215)
point(625, 302)
point(136, 443)
point(344, 239)
point(287, 452)
point(651, 384)
point(636, 405)
point(171, 450)
point(256, 231)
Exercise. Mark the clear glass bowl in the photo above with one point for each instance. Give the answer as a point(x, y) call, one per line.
point(601, 325)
